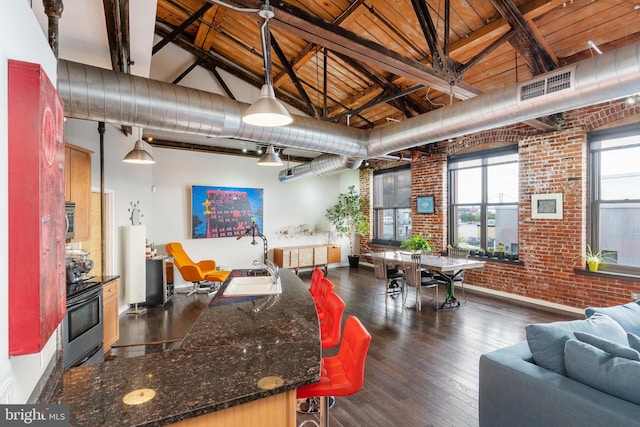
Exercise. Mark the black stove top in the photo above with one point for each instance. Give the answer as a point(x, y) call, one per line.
point(82, 286)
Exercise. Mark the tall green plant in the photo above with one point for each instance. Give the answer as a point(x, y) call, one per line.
point(347, 216)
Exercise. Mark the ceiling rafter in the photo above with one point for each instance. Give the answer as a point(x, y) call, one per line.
point(211, 61)
point(179, 29)
point(311, 109)
point(311, 28)
point(116, 13)
point(523, 38)
point(309, 50)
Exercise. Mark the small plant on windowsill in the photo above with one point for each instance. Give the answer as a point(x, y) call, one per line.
point(593, 259)
point(500, 251)
point(418, 243)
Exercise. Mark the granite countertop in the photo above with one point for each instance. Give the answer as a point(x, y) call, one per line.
point(236, 342)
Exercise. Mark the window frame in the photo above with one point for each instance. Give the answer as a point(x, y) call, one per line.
point(483, 156)
point(375, 222)
point(594, 196)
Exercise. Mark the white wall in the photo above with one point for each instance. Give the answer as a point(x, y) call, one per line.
point(285, 204)
point(167, 211)
point(20, 38)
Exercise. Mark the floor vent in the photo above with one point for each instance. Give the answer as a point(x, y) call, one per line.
point(553, 84)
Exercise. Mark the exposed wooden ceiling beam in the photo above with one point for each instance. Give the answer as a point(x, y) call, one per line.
point(116, 13)
point(179, 29)
point(523, 39)
point(311, 28)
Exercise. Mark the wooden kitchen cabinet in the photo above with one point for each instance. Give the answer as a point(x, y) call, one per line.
point(110, 316)
point(77, 188)
point(295, 257)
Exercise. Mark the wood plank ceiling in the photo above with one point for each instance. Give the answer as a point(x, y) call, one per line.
point(369, 63)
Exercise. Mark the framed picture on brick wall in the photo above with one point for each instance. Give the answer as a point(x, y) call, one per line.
point(546, 206)
point(425, 204)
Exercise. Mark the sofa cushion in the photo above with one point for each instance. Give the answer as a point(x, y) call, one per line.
point(614, 349)
point(546, 340)
point(634, 341)
point(601, 370)
point(627, 315)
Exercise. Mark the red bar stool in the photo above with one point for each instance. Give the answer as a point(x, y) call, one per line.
point(342, 374)
point(326, 287)
point(332, 322)
point(316, 279)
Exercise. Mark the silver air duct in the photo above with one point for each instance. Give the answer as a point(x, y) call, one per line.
point(601, 78)
point(97, 94)
point(103, 95)
point(323, 165)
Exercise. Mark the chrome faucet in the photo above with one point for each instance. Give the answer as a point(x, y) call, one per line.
point(271, 268)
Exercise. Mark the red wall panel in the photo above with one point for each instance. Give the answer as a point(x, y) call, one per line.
point(37, 284)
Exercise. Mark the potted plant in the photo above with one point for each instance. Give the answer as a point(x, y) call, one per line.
point(593, 259)
point(349, 220)
point(500, 251)
point(418, 243)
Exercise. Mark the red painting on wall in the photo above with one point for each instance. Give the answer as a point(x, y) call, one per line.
point(37, 283)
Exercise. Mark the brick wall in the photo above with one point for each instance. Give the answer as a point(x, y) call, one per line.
point(553, 162)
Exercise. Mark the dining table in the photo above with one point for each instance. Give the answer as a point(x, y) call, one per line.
point(443, 267)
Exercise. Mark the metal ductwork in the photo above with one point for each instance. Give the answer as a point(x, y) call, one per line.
point(103, 95)
point(323, 165)
point(601, 78)
point(97, 94)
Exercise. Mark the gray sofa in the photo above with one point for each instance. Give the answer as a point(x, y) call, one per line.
point(516, 391)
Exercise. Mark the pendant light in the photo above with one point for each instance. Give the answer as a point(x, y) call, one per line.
point(266, 111)
point(270, 158)
point(139, 155)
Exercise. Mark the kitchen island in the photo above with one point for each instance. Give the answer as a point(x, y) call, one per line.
point(244, 355)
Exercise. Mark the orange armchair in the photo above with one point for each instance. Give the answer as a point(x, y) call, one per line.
point(195, 272)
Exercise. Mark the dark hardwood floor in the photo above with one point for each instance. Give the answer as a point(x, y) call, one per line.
point(422, 367)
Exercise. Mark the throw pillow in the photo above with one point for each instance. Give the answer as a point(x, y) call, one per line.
point(627, 315)
point(610, 347)
point(596, 368)
point(634, 341)
point(546, 340)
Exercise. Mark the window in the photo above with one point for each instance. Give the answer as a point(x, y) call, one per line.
point(615, 197)
point(483, 199)
point(392, 206)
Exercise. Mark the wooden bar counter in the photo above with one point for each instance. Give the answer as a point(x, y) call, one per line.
point(239, 365)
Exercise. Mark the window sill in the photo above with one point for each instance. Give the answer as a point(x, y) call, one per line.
point(496, 260)
point(609, 274)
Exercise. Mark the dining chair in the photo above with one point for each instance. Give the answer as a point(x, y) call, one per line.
point(462, 253)
point(390, 275)
point(417, 277)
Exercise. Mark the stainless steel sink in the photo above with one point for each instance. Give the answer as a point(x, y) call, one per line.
point(258, 285)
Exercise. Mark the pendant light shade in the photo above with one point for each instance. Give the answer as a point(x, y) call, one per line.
point(139, 155)
point(267, 111)
point(270, 158)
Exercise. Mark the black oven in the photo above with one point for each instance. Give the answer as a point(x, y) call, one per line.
point(82, 331)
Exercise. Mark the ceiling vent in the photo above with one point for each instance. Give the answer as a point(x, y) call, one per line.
point(560, 82)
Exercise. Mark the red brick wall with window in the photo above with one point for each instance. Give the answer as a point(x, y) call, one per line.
point(552, 162)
